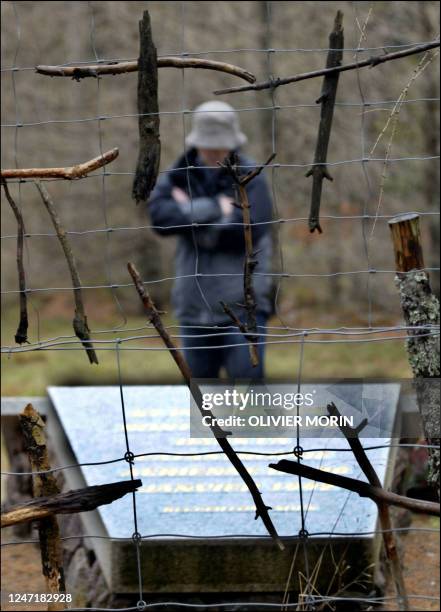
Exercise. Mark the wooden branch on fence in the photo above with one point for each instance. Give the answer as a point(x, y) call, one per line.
point(21, 335)
point(220, 434)
point(70, 173)
point(370, 62)
point(319, 170)
point(362, 488)
point(113, 68)
point(249, 329)
point(44, 484)
point(149, 155)
point(79, 323)
point(390, 543)
point(70, 502)
point(421, 310)
point(188, 62)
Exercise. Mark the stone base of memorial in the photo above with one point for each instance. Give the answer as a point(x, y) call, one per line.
point(200, 542)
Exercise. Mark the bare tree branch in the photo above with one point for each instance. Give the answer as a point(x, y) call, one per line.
point(21, 334)
point(220, 435)
point(80, 325)
point(369, 62)
point(69, 173)
point(364, 489)
point(97, 70)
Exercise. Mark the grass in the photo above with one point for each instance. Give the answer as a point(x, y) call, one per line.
point(30, 373)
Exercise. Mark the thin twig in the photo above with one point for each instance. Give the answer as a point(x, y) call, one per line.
point(69, 173)
point(69, 502)
point(220, 435)
point(242, 327)
point(327, 100)
point(249, 329)
point(97, 70)
point(80, 325)
point(369, 62)
point(21, 334)
point(393, 118)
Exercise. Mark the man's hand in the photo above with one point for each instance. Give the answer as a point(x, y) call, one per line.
point(180, 196)
point(226, 204)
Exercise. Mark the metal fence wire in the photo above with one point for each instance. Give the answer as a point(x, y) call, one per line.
point(124, 338)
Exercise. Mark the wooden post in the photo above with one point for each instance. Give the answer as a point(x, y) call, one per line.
point(421, 311)
point(44, 485)
point(406, 239)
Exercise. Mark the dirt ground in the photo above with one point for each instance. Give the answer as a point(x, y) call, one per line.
point(421, 565)
point(21, 571)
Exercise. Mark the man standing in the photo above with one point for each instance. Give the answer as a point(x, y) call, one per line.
point(195, 201)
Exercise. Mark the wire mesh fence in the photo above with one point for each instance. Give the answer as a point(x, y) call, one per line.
point(106, 233)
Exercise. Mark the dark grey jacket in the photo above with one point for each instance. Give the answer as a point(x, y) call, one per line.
point(212, 250)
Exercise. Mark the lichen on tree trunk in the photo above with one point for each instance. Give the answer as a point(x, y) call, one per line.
point(421, 308)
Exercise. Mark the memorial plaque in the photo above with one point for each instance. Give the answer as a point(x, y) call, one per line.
point(195, 513)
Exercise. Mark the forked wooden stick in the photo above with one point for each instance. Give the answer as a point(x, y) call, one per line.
point(249, 329)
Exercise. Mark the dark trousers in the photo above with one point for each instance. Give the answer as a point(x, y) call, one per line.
point(206, 362)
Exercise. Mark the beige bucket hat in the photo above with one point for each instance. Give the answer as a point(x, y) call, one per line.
point(215, 126)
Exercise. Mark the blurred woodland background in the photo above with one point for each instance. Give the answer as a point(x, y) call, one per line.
point(49, 109)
